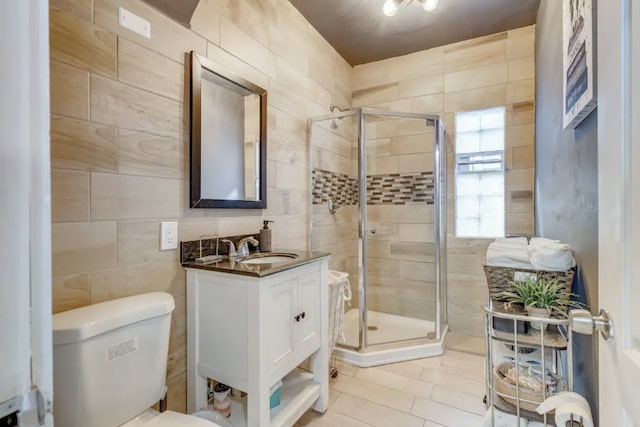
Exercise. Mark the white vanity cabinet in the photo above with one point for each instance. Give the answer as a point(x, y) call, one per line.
point(251, 332)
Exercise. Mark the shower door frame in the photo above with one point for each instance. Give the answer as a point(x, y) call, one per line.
point(440, 225)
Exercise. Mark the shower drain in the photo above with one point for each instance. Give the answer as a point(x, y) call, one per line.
point(372, 328)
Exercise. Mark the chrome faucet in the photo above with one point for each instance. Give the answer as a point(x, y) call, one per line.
point(232, 248)
point(243, 245)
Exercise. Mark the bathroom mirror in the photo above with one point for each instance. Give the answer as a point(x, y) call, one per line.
point(228, 139)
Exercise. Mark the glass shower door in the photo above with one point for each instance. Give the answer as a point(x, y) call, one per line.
point(334, 204)
point(399, 227)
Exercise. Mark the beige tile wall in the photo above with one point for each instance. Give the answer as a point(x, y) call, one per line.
point(120, 141)
point(496, 70)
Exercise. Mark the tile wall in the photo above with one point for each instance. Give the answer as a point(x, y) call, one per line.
point(120, 141)
point(480, 73)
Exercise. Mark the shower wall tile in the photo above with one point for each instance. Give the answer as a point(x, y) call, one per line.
point(475, 53)
point(69, 195)
point(80, 8)
point(69, 91)
point(477, 77)
point(414, 143)
point(206, 21)
point(376, 148)
point(420, 233)
point(414, 163)
point(381, 129)
point(69, 292)
point(82, 247)
point(412, 251)
point(476, 99)
point(382, 165)
point(521, 91)
point(522, 69)
point(226, 61)
point(375, 95)
point(426, 85)
point(237, 42)
point(79, 43)
point(521, 43)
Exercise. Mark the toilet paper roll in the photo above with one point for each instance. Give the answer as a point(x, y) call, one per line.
point(566, 404)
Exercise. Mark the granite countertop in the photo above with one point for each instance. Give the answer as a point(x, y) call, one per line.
point(258, 270)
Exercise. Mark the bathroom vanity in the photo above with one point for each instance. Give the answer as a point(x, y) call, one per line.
point(250, 325)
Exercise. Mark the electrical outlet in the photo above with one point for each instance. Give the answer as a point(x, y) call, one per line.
point(134, 23)
point(168, 236)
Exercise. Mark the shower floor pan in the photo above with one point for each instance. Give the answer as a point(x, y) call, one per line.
point(394, 339)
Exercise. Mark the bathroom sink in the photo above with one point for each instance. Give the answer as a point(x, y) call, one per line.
point(269, 258)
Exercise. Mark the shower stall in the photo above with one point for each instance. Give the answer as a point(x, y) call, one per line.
point(378, 205)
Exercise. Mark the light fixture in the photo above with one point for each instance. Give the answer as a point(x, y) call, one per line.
point(390, 7)
point(429, 5)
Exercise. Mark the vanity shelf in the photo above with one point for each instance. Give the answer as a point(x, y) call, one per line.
point(530, 353)
point(252, 332)
point(298, 391)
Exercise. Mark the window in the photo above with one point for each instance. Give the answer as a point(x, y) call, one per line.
point(479, 202)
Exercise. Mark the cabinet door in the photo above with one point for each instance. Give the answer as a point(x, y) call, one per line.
point(280, 309)
point(309, 307)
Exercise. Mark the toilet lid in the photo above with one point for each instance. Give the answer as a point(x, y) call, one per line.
point(171, 419)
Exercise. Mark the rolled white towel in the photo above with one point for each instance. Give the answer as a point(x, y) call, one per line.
point(551, 255)
point(511, 252)
point(502, 419)
point(511, 242)
point(567, 404)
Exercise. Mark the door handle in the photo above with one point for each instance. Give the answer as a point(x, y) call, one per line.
point(582, 322)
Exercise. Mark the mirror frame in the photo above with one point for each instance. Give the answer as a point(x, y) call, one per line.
point(198, 63)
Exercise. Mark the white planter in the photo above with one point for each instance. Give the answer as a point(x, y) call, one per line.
point(541, 313)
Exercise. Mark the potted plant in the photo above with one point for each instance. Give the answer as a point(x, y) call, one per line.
point(541, 297)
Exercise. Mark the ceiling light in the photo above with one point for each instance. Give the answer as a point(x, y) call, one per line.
point(429, 5)
point(390, 8)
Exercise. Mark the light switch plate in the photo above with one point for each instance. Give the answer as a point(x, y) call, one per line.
point(134, 23)
point(168, 236)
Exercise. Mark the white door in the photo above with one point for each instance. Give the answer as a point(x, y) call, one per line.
point(619, 208)
point(25, 220)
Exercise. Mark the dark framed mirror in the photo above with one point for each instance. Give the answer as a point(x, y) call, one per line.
point(228, 139)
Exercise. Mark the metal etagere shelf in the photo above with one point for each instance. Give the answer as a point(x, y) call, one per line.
point(517, 352)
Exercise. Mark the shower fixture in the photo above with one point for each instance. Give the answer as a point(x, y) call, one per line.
point(390, 7)
point(334, 107)
point(333, 206)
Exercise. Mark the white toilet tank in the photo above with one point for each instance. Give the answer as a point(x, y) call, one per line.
point(110, 360)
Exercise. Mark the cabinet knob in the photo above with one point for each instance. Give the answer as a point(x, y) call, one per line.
point(297, 318)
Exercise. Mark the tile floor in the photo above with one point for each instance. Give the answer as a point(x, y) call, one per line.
point(439, 391)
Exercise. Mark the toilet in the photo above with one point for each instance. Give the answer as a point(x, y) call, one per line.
point(109, 364)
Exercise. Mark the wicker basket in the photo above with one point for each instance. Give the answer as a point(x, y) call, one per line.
point(508, 390)
point(499, 278)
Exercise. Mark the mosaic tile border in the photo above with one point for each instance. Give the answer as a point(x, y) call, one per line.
point(384, 189)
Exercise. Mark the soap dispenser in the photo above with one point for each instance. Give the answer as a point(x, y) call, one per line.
point(265, 237)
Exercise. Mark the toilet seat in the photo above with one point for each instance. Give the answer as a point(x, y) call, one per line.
point(168, 419)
